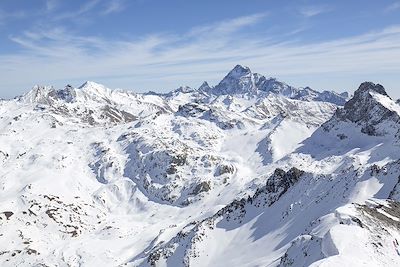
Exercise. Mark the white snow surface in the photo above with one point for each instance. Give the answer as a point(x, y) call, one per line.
point(91, 176)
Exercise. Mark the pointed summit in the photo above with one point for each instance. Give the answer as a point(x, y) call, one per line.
point(48, 95)
point(370, 108)
point(370, 86)
point(205, 87)
point(240, 80)
point(362, 99)
point(95, 90)
point(90, 84)
point(239, 71)
point(39, 95)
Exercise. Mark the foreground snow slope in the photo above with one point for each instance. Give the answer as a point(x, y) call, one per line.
point(251, 172)
point(331, 208)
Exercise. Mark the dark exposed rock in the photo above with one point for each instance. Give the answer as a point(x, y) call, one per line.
point(393, 210)
point(31, 251)
point(191, 109)
point(171, 169)
point(67, 94)
point(369, 86)
point(395, 191)
point(205, 87)
point(357, 221)
point(176, 160)
point(5, 155)
point(238, 80)
point(327, 96)
point(277, 185)
point(179, 159)
point(8, 214)
point(223, 169)
point(364, 110)
point(115, 115)
point(202, 187)
point(283, 180)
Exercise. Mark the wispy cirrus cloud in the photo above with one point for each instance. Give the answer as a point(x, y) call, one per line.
point(83, 9)
point(51, 43)
point(228, 26)
point(114, 6)
point(163, 61)
point(392, 7)
point(51, 5)
point(6, 16)
point(311, 11)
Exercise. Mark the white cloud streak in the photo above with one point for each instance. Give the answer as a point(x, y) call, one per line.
point(84, 8)
point(311, 11)
point(51, 5)
point(203, 53)
point(7, 16)
point(114, 6)
point(392, 7)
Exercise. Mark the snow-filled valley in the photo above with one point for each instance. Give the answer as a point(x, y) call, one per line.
point(250, 172)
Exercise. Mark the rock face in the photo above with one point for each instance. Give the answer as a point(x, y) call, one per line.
point(282, 180)
point(202, 187)
point(205, 87)
point(327, 96)
point(240, 80)
point(370, 108)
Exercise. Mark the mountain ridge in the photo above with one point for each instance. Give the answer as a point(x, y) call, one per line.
point(93, 176)
point(307, 248)
point(240, 80)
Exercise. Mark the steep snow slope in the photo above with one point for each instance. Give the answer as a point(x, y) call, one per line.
point(315, 217)
point(97, 177)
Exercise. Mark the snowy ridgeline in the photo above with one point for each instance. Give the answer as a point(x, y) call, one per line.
point(250, 172)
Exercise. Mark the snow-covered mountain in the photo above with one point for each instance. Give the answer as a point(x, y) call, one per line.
point(335, 205)
point(240, 80)
point(250, 172)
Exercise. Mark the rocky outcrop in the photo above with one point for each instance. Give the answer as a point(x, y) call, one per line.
point(281, 180)
point(277, 185)
point(201, 187)
point(366, 110)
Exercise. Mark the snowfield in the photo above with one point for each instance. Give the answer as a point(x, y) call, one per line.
point(250, 172)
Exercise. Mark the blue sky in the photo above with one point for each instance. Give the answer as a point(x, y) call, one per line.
point(160, 45)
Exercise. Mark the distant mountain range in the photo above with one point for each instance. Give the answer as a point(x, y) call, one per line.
point(241, 81)
point(250, 172)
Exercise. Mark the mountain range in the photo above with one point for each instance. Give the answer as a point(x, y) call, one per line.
point(249, 172)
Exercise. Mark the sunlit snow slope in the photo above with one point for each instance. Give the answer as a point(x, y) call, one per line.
point(250, 172)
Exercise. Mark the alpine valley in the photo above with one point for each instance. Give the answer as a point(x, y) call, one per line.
point(250, 172)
